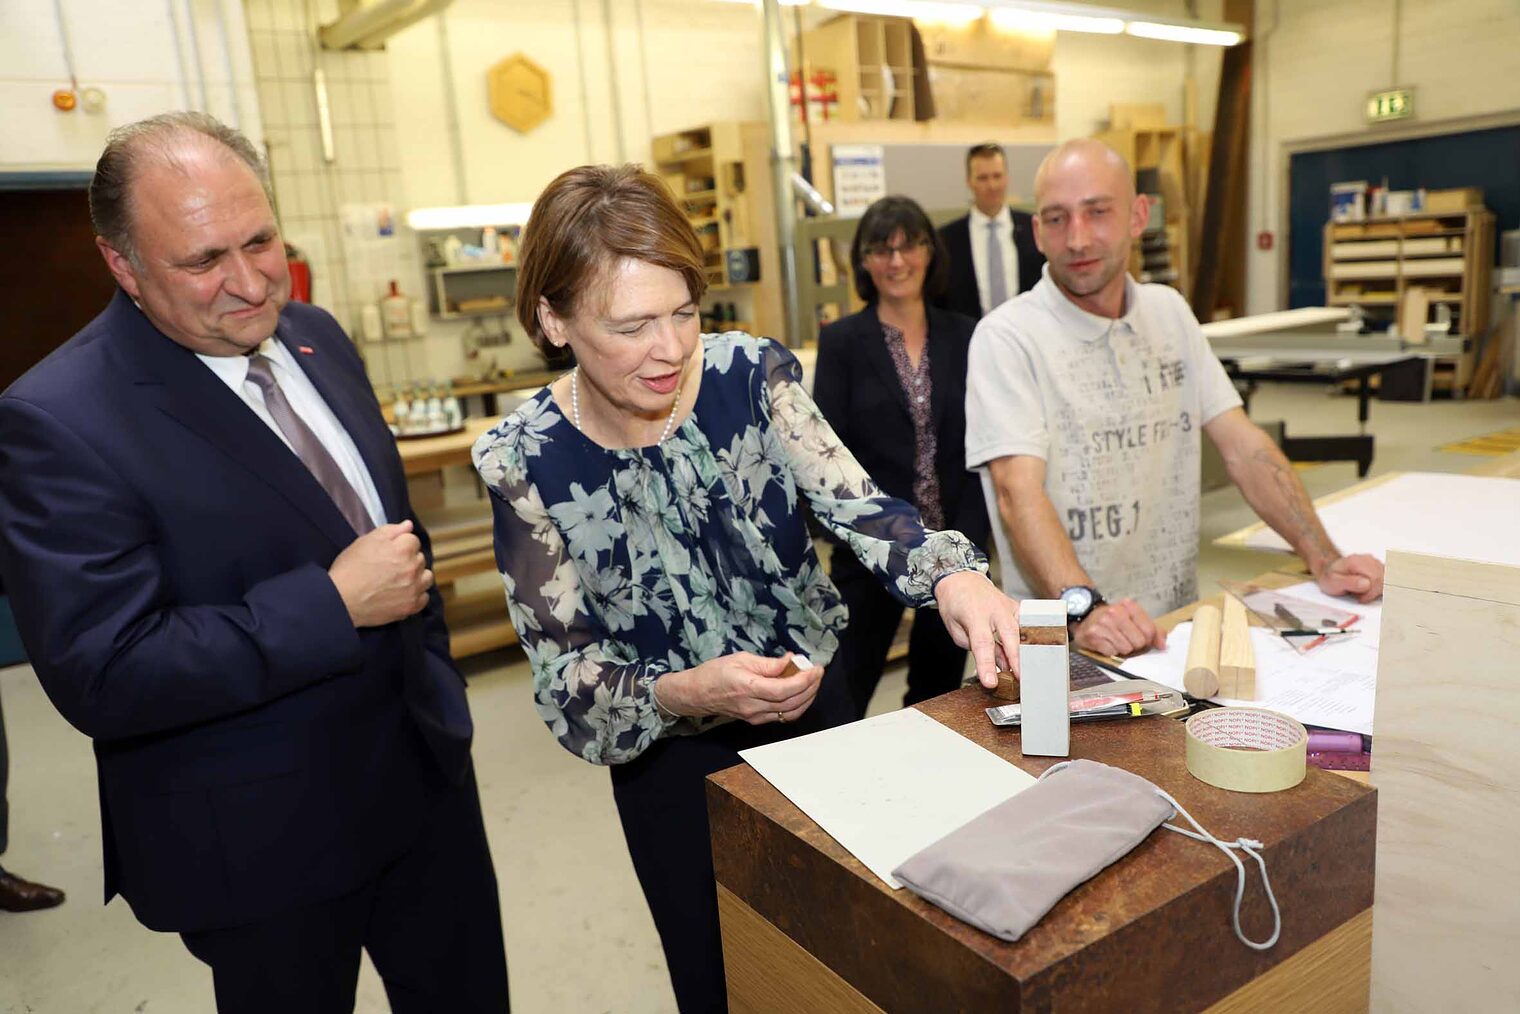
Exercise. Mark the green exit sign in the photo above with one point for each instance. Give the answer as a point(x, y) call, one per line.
point(1396, 104)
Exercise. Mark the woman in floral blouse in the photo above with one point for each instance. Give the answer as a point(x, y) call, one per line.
point(648, 533)
point(891, 381)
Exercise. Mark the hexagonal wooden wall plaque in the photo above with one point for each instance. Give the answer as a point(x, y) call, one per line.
point(522, 93)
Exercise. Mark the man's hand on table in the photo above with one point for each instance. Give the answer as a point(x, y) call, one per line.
point(1119, 629)
point(1358, 575)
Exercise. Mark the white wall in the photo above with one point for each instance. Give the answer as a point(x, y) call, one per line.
point(140, 54)
point(703, 64)
point(1315, 64)
point(690, 62)
point(1094, 71)
point(701, 61)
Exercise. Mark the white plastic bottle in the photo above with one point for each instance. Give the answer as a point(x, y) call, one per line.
point(452, 415)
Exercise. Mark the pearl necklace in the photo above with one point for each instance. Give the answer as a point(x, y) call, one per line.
point(575, 405)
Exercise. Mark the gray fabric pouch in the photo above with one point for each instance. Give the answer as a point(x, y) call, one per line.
point(1005, 869)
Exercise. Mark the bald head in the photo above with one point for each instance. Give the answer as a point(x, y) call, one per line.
point(1087, 217)
point(1099, 167)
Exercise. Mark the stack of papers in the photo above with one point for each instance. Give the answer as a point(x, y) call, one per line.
point(1332, 686)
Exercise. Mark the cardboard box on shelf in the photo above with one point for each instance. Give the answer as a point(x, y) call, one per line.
point(1452, 201)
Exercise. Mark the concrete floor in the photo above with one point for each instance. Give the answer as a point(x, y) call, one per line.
point(578, 935)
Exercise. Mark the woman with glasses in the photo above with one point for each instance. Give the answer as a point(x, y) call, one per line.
point(891, 380)
point(656, 563)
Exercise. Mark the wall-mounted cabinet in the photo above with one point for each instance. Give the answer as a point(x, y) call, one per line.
point(472, 290)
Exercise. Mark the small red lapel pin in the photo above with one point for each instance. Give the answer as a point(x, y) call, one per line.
point(307, 350)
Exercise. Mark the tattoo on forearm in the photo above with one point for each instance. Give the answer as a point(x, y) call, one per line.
point(1299, 518)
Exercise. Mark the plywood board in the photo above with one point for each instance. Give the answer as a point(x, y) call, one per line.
point(1465, 516)
point(1445, 932)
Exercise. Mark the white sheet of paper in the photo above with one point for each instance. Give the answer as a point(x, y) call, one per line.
point(1466, 516)
point(1333, 686)
point(887, 787)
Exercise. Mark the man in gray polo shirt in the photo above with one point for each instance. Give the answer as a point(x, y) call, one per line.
point(1085, 398)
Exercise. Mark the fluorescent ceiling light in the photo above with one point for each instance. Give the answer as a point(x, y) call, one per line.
point(1014, 19)
point(1040, 16)
point(921, 10)
point(468, 216)
point(1182, 33)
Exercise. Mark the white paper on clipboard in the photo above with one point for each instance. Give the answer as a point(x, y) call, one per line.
point(887, 787)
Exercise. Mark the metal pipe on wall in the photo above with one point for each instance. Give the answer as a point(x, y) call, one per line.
point(783, 165)
point(612, 83)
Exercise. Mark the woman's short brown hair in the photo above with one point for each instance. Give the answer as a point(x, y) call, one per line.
point(587, 220)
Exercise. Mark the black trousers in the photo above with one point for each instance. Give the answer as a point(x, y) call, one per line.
point(431, 923)
point(661, 798)
point(935, 662)
point(5, 772)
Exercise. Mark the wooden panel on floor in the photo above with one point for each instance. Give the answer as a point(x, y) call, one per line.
point(1327, 977)
point(768, 971)
point(1448, 746)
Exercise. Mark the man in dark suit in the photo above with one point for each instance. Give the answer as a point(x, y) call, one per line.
point(992, 253)
point(205, 531)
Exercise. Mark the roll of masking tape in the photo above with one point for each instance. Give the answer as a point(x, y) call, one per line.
point(1246, 749)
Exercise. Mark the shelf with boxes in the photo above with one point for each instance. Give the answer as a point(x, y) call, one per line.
point(1407, 264)
point(471, 270)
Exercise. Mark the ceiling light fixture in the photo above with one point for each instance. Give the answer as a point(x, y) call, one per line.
point(1016, 19)
point(468, 216)
point(1203, 35)
point(1041, 16)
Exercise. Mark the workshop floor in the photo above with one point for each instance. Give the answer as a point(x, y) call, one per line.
point(567, 887)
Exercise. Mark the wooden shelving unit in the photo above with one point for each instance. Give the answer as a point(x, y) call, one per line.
point(720, 175)
point(872, 59)
point(1448, 255)
point(1159, 150)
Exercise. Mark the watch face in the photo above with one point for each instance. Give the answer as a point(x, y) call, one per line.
point(1078, 601)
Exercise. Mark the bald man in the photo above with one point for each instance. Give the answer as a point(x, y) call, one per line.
point(1085, 398)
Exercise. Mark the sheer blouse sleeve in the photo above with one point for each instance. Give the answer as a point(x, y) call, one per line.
point(886, 533)
point(592, 691)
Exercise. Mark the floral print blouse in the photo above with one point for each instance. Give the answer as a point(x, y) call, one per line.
point(623, 565)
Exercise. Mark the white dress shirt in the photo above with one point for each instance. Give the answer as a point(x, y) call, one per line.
point(979, 223)
point(306, 403)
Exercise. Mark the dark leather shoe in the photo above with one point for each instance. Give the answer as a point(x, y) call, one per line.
point(17, 895)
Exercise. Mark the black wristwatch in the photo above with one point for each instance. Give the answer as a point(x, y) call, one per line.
point(1080, 600)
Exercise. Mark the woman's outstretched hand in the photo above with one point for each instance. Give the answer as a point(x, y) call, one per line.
point(980, 617)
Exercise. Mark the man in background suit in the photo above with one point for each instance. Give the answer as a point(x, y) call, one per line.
point(992, 253)
point(205, 531)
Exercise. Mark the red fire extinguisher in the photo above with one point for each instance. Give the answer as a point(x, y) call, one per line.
point(300, 274)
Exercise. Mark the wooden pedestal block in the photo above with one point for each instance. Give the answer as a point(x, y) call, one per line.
point(807, 927)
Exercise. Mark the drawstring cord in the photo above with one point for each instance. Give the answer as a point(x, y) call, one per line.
point(1249, 846)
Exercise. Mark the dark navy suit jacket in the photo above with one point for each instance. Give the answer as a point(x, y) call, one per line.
point(961, 293)
point(857, 389)
point(166, 556)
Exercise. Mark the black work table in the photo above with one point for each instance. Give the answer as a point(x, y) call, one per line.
point(1320, 366)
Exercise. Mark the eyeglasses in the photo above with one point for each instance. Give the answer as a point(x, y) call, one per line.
point(883, 252)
